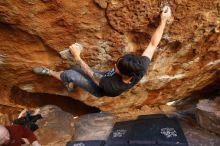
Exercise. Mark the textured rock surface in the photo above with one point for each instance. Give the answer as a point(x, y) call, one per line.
point(208, 115)
point(94, 126)
point(32, 32)
point(195, 135)
point(56, 127)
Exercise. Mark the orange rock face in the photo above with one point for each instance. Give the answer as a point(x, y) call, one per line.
point(33, 32)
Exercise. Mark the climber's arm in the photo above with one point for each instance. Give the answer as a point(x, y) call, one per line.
point(85, 68)
point(149, 51)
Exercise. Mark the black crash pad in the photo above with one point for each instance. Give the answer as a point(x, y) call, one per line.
point(120, 134)
point(117, 145)
point(153, 116)
point(148, 130)
point(86, 143)
point(148, 145)
point(157, 131)
point(143, 132)
point(144, 129)
point(171, 133)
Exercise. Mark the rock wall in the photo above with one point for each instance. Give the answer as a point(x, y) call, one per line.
point(33, 32)
point(56, 128)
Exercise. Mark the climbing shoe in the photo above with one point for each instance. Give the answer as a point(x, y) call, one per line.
point(41, 70)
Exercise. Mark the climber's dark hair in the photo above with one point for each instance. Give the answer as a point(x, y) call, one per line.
point(130, 64)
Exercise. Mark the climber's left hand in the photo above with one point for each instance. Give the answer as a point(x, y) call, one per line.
point(166, 13)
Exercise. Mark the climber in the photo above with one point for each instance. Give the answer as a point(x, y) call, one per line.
point(16, 135)
point(128, 69)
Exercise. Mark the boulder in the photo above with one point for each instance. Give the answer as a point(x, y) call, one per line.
point(56, 127)
point(207, 114)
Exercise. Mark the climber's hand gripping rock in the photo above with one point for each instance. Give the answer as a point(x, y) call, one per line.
point(166, 13)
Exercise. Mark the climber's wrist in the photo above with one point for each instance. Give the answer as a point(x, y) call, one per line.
point(78, 58)
point(163, 21)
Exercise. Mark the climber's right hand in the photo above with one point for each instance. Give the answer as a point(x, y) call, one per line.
point(166, 13)
point(75, 51)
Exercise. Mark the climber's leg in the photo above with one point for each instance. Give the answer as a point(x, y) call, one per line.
point(55, 74)
point(41, 70)
point(46, 71)
point(70, 86)
point(72, 77)
point(78, 78)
